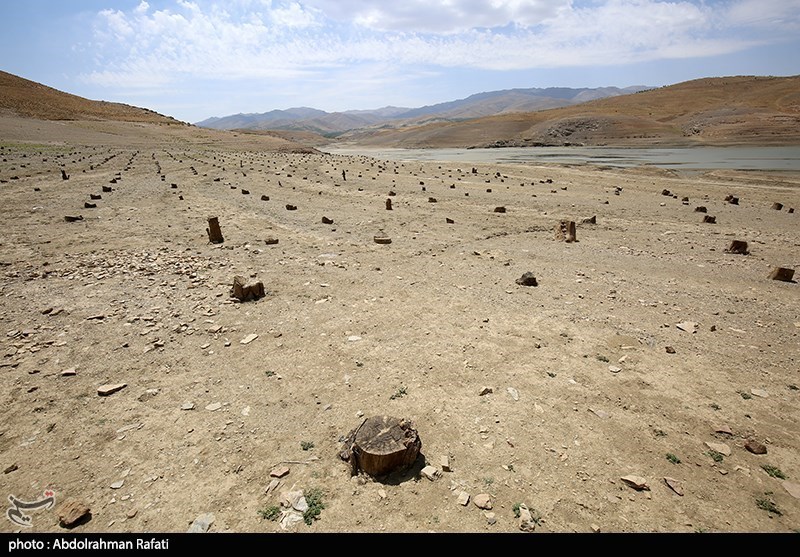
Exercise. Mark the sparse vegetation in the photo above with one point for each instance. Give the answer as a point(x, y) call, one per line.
point(673, 459)
point(745, 395)
point(270, 513)
point(269, 373)
point(773, 471)
point(306, 445)
point(768, 505)
point(715, 406)
point(315, 505)
point(716, 456)
point(400, 393)
point(602, 358)
point(659, 433)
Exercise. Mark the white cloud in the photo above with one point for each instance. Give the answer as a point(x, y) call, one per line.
point(303, 38)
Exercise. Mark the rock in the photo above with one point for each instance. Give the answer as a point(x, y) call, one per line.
point(565, 231)
point(201, 524)
point(688, 326)
point(214, 406)
point(792, 488)
point(600, 413)
point(755, 447)
point(674, 485)
point(700, 209)
point(526, 521)
point(353, 338)
point(595, 528)
point(721, 448)
point(294, 500)
point(485, 391)
point(71, 512)
point(491, 518)
point(290, 207)
point(724, 429)
point(111, 388)
point(69, 372)
point(382, 240)
point(670, 350)
point(463, 498)
point(271, 241)
point(430, 472)
point(709, 219)
point(248, 339)
point(483, 501)
point(10, 468)
point(117, 484)
point(70, 218)
point(761, 393)
point(636, 482)
point(273, 485)
point(187, 406)
point(513, 392)
point(527, 279)
point(279, 472)
point(590, 220)
point(777, 206)
point(326, 220)
point(444, 462)
point(499, 209)
point(614, 369)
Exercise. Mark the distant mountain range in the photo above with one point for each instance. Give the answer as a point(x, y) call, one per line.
point(492, 103)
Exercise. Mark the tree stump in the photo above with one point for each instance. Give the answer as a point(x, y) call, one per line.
point(565, 230)
point(738, 247)
point(214, 232)
point(244, 292)
point(782, 273)
point(381, 445)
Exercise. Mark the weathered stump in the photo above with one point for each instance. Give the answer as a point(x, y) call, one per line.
point(738, 247)
point(381, 445)
point(782, 273)
point(565, 231)
point(244, 292)
point(214, 232)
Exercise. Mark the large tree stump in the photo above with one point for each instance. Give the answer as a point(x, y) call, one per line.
point(244, 292)
point(214, 232)
point(565, 231)
point(381, 445)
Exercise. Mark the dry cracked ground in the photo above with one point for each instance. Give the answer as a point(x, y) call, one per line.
point(647, 383)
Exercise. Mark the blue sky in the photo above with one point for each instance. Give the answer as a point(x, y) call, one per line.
point(193, 59)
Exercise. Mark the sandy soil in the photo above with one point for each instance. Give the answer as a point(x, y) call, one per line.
point(591, 378)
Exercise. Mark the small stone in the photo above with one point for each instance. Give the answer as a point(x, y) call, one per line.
point(279, 472)
point(483, 501)
point(526, 522)
point(513, 392)
point(759, 393)
point(214, 406)
point(10, 468)
point(273, 485)
point(69, 372)
point(670, 350)
point(688, 326)
point(595, 528)
point(721, 448)
point(71, 512)
point(614, 369)
point(724, 429)
point(636, 482)
point(353, 338)
point(599, 413)
point(111, 388)
point(131, 513)
point(246, 411)
point(527, 279)
point(444, 462)
point(117, 484)
point(382, 494)
point(755, 447)
point(248, 339)
point(674, 485)
point(201, 524)
point(430, 472)
point(187, 406)
point(485, 391)
point(463, 498)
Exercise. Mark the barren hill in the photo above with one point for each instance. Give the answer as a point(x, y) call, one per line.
point(32, 112)
point(727, 110)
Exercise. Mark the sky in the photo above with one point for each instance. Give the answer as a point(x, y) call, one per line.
point(194, 59)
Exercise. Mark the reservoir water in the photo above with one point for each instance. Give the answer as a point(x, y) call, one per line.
point(690, 159)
